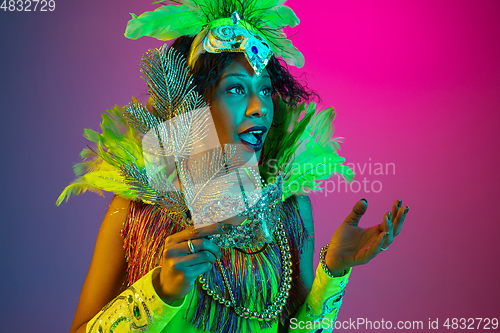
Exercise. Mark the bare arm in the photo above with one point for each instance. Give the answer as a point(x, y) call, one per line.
point(107, 270)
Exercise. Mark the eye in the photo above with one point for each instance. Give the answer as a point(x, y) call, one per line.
point(238, 90)
point(267, 91)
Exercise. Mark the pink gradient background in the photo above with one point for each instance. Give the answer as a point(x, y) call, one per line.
point(416, 84)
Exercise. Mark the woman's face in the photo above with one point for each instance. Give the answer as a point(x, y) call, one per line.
point(241, 106)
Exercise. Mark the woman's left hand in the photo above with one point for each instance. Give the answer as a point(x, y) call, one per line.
point(352, 245)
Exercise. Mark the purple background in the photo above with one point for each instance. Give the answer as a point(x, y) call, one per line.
point(415, 83)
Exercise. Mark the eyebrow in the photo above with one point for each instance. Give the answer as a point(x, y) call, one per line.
point(243, 76)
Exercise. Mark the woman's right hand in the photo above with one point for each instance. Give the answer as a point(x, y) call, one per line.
point(180, 267)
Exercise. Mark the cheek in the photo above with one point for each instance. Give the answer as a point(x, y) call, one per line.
point(269, 120)
point(270, 107)
point(224, 123)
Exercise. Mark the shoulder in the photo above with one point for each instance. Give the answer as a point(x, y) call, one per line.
point(304, 204)
point(304, 200)
point(116, 215)
point(119, 203)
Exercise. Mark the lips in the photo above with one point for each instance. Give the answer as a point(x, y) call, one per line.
point(252, 137)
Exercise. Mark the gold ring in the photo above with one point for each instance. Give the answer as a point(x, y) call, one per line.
point(191, 247)
point(383, 249)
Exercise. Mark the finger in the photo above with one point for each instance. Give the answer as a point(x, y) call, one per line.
point(377, 247)
point(395, 208)
point(387, 226)
point(196, 264)
point(197, 258)
point(199, 244)
point(184, 264)
point(196, 270)
point(357, 212)
point(204, 244)
point(398, 222)
point(192, 233)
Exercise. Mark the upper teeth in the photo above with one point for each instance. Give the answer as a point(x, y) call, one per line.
point(258, 131)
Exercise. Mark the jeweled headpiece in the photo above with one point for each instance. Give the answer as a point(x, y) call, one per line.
point(252, 27)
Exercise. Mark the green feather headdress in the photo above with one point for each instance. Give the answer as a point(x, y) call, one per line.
point(267, 18)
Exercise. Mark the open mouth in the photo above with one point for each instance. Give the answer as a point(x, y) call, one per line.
point(252, 137)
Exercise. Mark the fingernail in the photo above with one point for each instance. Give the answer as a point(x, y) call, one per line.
point(389, 216)
point(227, 227)
point(399, 204)
point(364, 200)
point(407, 209)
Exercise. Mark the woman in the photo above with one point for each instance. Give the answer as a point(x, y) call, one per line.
point(152, 270)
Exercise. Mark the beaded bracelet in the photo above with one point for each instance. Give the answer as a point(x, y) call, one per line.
point(322, 261)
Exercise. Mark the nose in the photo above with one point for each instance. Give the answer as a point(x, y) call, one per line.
point(255, 107)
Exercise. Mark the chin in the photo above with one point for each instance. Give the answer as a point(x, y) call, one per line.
point(247, 152)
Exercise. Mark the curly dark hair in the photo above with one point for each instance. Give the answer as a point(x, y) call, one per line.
point(209, 67)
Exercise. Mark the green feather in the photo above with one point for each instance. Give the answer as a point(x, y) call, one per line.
point(77, 187)
point(321, 127)
point(84, 167)
point(290, 142)
point(94, 181)
point(164, 23)
point(284, 48)
point(91, 135)
point(108, 180)
point(109, 123)
point(87, 153)
point(280, 17)
point(346, 172)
